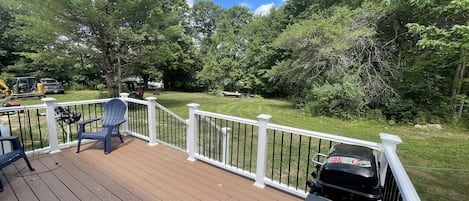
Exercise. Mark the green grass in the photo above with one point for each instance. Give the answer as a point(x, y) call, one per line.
point(436, 160)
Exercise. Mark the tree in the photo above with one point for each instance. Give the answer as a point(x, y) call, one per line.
point(164, 52)
point(222, 67)
point(111, 31)
point(329, 47)
point(449, 37)
point(205, 16)
point(260, 55)
point(10, 44)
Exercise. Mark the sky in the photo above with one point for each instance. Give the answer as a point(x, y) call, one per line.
point(260, 7)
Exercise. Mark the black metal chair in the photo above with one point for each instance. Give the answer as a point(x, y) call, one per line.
point(12, 156)
point(114, 115)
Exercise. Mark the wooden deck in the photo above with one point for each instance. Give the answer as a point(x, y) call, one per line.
point(132, 171)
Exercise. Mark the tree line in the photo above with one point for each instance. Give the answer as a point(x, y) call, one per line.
point(403, 61)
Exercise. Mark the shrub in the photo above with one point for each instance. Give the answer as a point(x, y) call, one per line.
point(400, 110)
point(344, 99)
point(374, 115)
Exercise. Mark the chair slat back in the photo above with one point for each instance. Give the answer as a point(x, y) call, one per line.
point(114, 111)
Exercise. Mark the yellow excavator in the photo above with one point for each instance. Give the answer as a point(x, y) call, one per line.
point(22, 87)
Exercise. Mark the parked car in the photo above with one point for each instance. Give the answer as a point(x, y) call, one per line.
point(52, 86)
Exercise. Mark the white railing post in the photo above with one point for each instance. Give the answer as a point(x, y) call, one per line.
point(51, 125)
point(5, 132)
point(192, 131)
point(387, 141)
point(225, 131)
point(152, 121)
point(389, 144)
point(263, 120)
point(123, 97)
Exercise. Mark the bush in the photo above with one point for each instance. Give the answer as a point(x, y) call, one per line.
point(403, 111)
point(374, 115)
point(344, 99)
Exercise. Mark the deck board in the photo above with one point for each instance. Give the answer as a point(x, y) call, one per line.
point(132, 171)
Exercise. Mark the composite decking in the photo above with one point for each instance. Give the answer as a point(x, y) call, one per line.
point(132, 171)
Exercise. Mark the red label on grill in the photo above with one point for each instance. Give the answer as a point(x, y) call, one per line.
point(348, 160)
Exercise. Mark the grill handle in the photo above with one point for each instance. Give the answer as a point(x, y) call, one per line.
point(316, 158)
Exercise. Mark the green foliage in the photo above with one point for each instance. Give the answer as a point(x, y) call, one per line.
point(374, 115)
point(408, 57)
point(400, 110)
point(222, 68)
point(344, 99)
point(448, 37)
point(328, 49)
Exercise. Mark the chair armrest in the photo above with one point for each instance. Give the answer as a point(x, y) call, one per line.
point(81, 125)
point(120, 122)
point(89, 121)
point(115, 123)
point(9, 138)
point(14, 141)
point(110, 127)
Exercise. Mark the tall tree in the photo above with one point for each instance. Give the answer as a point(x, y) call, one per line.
point(260, 55)
point(222, 67)
point(448, 35)
point(110, 30)
point(10, 44)
point(164, 51)
point(330, 47)
point(204, 18)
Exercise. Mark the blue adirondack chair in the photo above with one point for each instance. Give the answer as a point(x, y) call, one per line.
point(114, 116)
point(12, 156)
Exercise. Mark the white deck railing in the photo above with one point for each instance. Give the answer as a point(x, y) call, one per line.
point(387, 148)
point(260, 146)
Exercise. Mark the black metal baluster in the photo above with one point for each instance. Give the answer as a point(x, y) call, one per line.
point(273, 155)
point(298, 165)
point(281, 158)
point(237, 149)
point(21, 128)
point(244, 146)
point(28, 114)
point(201, 139)
point(39, 127)
point(319, 149)
point(250, 155)
point(226, 142)
point(289, 158)
point(209, 137)
point(220, 141)
point(231, 143)
point(145, 119)
point(307, 164)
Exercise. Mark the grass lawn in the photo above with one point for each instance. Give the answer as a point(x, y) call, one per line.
point(436, 160)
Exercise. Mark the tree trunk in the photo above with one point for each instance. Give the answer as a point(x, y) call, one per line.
point(462, 76)
point(455, 89)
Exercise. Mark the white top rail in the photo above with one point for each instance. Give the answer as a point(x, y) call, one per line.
point(42, 106)
point(27, 107)
point(227, 117)
point(335, 138)
point(133, 100)
point(406, 187)
point(172, 114)
point(83, 102)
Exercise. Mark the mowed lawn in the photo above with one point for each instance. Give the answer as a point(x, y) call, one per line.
point(437, 160)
